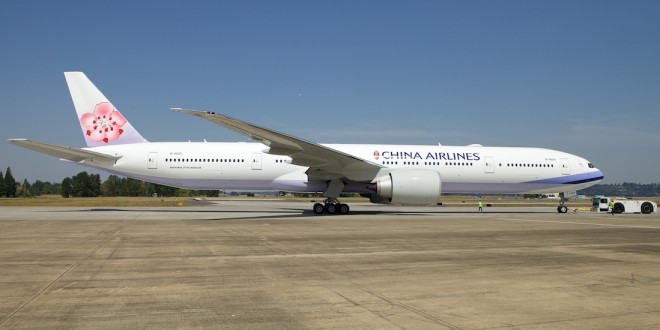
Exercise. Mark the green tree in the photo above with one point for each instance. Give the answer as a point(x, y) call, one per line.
point(67, 188)
point(81, 185)
point(86, 185)
point(45, 188)
point(132, 187)
point(95, 185)
point(183, 193)
point(24, 190)
point(2, 185)
point(10, 184)
point(53, 188)
point(165, 191)
point(37, 187)
point(111, 187)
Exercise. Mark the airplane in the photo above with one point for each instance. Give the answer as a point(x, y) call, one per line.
point(390, 174)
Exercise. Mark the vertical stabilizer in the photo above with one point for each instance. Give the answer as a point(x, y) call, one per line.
point(101, 123)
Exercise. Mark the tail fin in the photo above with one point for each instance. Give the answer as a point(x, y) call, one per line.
point(101, 123)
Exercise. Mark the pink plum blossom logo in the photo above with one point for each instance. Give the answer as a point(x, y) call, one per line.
point(104, 124)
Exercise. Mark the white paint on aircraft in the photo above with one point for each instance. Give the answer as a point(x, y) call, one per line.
point(400, 174)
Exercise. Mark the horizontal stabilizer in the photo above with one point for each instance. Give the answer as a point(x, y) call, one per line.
point(68, 153)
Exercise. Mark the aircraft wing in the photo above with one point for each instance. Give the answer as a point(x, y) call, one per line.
point(324, 163)
point(68, 153)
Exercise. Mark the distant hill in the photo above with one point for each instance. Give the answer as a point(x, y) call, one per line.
point(623, 189)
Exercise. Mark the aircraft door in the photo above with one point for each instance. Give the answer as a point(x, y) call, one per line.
point(565, 166)
point(489, 165)
point(256, 161)
point(152, 161)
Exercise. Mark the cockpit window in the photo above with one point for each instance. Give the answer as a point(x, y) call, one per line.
point(591, 165)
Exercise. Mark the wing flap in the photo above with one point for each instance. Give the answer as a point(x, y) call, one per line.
point(68, 153)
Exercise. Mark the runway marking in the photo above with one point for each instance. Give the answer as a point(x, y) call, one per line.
point(580, 223)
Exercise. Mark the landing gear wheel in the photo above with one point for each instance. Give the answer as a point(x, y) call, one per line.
point(343, 208)
point(331, 208)
point(318, 208)
point(562, 209)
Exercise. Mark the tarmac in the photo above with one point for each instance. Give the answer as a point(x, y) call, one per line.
point(275, 265)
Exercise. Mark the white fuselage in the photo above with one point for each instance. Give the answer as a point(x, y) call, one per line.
point(463, 169)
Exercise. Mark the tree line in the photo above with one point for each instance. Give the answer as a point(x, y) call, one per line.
point(84, 184)
point(7, 184)
point(90, 185)
point(625, 189)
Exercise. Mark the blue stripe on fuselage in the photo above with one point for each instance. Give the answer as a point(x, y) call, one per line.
point(573, 179)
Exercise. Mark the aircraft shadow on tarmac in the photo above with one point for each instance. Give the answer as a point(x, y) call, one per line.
point(287, 213)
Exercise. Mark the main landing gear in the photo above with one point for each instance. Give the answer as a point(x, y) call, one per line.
point(331, 206)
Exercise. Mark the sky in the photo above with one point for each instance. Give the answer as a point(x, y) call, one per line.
point(577, 76)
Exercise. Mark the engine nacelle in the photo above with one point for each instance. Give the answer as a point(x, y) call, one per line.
point(409, 187)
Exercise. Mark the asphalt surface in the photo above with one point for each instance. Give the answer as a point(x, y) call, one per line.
point(275, 265)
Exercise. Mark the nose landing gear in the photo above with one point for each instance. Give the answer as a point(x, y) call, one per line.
point(562, 208)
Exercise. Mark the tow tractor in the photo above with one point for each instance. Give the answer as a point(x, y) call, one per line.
point(621, 205)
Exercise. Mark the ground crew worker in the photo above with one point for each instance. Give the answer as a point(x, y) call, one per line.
point(481, 206)
point(612, 206)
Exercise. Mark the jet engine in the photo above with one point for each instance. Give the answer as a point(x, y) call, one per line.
point(408, 187)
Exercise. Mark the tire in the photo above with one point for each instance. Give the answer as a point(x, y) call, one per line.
point(647, 208)
point(343, 208)
point(318, 208)
point(562, 209)
point(331, 208)
point(618, 208)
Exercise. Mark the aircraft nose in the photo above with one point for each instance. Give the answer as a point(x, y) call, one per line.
point(599, 174)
